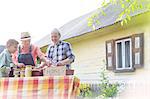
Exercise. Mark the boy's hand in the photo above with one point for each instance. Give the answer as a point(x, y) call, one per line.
point(20, 65)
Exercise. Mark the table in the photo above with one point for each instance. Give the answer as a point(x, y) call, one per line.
point(46, 87)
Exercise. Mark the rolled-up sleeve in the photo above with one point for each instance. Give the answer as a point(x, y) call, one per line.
point(69, 52)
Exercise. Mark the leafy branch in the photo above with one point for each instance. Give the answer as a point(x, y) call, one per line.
point(128, 6)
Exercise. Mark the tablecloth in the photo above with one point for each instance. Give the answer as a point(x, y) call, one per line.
point(47, 87)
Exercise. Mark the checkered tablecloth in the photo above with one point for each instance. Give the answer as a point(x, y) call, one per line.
point(53, 87)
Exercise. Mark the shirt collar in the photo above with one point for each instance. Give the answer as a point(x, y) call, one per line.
point(59, 42)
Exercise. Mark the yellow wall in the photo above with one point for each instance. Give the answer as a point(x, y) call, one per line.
point(90, 52)
point(89, 49)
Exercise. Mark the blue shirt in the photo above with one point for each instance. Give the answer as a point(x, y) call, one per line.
point(5, 58)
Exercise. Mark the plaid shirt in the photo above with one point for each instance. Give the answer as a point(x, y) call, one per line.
point(59, 52)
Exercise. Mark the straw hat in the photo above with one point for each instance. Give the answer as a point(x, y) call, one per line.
point(25, 36)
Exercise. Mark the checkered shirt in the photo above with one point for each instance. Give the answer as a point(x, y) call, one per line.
point(60, 51)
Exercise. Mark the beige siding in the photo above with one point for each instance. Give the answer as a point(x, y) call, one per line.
point(90, 49)
point(90, 53)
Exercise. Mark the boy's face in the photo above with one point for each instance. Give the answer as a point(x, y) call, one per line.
point(13, 48)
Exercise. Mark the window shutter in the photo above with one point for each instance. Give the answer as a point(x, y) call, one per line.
point(110, 52)
point(138, 50)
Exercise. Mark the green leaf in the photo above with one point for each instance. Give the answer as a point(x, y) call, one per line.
point(121, 23)
point(110, 1)
point(128, 17)
point(132, 8)
point(119, 18)
point(103, 13)
point(121, 1)
point(127, 0)
point(89, 24)
point(128, 11)
point(148, 6)
point(122, 13)
point(140, 6)
point(89, 19)
point(104, 3)
point(123, 6)
point(98, 22)
point(93, 27)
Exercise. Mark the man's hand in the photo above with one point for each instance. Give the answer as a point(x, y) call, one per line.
point(20, 65)
point(60, 63)
point(48, 62)
point(64, 62)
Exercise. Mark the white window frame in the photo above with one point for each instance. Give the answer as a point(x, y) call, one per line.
point(123, 54)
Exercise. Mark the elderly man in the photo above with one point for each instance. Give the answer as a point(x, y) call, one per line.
point(27, 53)
point(59, 52)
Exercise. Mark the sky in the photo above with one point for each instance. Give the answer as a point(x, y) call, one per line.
point(39, 17)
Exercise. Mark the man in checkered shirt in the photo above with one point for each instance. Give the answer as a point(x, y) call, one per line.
point(59, 52)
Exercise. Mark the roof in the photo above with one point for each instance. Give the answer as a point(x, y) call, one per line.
point(79, 26)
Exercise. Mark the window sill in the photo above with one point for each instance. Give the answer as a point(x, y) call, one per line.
point(124, 70)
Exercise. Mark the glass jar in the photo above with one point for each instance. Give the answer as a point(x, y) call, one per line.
point(16, 72)
point(22, 72)
point(28, 71)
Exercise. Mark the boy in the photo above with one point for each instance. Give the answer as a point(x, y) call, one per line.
point(6, 58)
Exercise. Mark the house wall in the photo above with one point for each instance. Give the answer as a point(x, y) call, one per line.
point(90, 52)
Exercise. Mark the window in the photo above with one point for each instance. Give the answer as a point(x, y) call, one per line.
point(126, 54)
point(123, 54)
